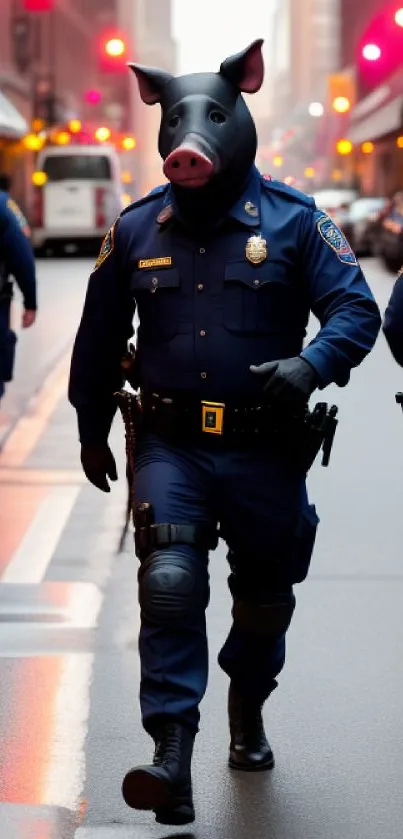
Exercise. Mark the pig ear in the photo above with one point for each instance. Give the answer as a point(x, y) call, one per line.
point(151, 82)
point(246, 69)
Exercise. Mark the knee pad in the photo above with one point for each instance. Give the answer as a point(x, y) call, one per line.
point(269, 619)
point(173, 589)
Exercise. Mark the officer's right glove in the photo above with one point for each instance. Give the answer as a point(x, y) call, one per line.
point(290, 381)
point(98, 463)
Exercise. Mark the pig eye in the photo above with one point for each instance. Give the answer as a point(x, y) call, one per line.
point(217, 117)
point(173, 121)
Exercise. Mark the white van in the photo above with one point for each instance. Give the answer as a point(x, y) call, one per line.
point(81, 198)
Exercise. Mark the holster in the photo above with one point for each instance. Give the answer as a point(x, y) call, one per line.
point(129, 407)
point(310, 433)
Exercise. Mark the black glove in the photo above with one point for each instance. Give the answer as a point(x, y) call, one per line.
point(289, 382)
point(98, 462)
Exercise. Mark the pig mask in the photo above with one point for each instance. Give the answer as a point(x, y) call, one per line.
point(207, 137)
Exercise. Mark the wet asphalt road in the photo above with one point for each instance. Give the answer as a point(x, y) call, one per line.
point(69, 671)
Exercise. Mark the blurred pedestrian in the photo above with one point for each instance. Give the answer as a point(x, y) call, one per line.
point(16, 261)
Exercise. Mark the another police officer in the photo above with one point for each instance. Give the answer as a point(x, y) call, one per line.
point(224, 268)
point(393, 320)
point(16, 260)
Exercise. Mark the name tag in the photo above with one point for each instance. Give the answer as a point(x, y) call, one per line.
point(158, 262)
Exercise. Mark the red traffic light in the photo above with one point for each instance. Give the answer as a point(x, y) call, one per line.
point(38, 5)
point(115, 48)
point(113, 54)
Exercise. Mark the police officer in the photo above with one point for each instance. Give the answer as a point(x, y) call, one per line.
point(224, 267)
point(393, 320)
point(16, 260)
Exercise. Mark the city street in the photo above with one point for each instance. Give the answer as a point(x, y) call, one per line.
point(69, 669)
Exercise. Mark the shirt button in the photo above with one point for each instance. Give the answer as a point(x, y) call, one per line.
point(202, 332)
point(203, 375)
point(202, 250)
point(200, 287)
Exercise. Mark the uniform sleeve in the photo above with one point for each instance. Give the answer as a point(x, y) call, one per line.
point(340, 298)
point(100, 343)
point(393, 321)
point(19, 258)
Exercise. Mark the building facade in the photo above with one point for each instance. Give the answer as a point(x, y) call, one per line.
point(48, 60)
point(305, 42)
point(149, 30)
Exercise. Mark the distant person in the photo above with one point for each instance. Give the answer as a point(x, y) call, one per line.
point(16, 261)
point(5, 186)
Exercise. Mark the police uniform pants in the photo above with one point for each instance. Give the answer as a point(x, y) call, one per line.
point(257, 500)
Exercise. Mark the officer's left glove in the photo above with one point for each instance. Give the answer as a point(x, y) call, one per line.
point(99, 464)
point(289, 382)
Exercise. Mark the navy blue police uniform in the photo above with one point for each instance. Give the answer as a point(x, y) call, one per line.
point(17, 260)
point(210, 307)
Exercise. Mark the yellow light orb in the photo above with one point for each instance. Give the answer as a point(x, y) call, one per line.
point(129, 143)
point(102, 134)
point(39, 178)
point(341, 104)
point(344, 147)
point(367, 148)
point(75, 126)
point(32, 142)
point(63, 138)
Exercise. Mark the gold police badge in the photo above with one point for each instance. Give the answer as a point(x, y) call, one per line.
point(256, 250)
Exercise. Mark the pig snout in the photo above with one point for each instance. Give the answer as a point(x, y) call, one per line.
point(188, 166)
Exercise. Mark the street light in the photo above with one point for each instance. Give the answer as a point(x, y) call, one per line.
point(341, 104)
point(129, 143)
point(316, 109)
point(102, 134)
point(371, 52)
point(344, 147)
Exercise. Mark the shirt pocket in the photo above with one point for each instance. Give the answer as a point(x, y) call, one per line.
point(257, 298)
point(157, 295)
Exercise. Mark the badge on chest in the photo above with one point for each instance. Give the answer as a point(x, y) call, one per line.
point(256, 250)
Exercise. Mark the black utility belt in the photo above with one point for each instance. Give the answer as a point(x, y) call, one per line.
point(190, 417)
point(299, 436)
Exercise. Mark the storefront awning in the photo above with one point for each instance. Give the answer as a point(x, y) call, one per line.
point(380, 113)
point(12, 124)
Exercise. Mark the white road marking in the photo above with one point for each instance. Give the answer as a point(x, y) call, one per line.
point(33, 556)
point(29, 429)
point(66, 773)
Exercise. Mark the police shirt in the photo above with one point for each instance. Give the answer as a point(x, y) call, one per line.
point(16, 254)
point(211, 306)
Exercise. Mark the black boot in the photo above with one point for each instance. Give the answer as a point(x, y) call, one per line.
point(166, 786)
point(249, 749)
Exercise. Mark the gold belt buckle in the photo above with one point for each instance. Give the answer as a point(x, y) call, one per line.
point(213, 417)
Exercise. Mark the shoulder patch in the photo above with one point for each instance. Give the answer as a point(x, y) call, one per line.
point(17, 213)
point(288, 192)
point(155, 193)
point(107, 247)
point(336, 240)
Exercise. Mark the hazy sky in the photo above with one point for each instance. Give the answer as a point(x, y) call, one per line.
point(209, 30)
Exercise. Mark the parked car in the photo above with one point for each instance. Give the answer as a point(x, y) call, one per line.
point(335, 202)
point(360, 224)
point(390, 242)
